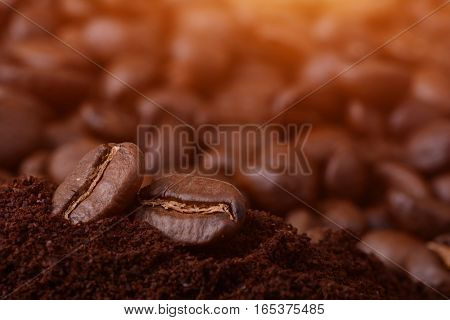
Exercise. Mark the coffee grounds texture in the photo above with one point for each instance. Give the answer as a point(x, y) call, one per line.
point(118, 258)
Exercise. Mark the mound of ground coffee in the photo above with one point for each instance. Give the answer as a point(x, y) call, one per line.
point(120, 259)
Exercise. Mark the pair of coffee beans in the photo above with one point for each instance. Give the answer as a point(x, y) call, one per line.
point(186, 208)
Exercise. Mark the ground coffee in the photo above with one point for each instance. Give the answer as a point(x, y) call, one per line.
point(121, 259)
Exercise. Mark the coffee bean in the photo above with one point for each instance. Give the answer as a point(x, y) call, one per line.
point(365, 120)
point(21, 123)
point(425, 266)
point(104, 183)
point(428, 149)
point(65, 131)
point(35, 165)
point(64, 159)
point(323, 142)
point(441, 246)
point(342, 214)
point(345, 174)
point(401, 177)
point(424, 216)
point(431, 85)
point(110, 122)
point(392, 247)
point(378, 217)
point(192, 209)
point(303, 220)
point(441, 187)
point(376, 83)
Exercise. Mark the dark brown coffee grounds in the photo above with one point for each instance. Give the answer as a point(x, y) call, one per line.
point(122, 259)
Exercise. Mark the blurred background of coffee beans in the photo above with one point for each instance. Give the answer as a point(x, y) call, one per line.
point(380, 141)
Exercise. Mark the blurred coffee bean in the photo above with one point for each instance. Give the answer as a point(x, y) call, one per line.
point(441, 246)
point(4, 176)
point(425, 266)
point(77, 9)
point(432, 85)
point(362, 119)
point(277, 189)
point(36, 164)
point(303, 220)
point(392, 247)
point(104, 183)
point(64, 131)
point(428, 149)
point(410, 115)
point(376, 83)
point(110, 122)
point(399, 176)
point(23, 26)
point(342, 214)
point(61, 88)
point(323, 142)
point(378, 217)
point(128, 73)
point(441, 187)
point(106, 37)
point(65, 158)
point(345, 174)
point(47, 54)
point(21, 124)
point(423, 216)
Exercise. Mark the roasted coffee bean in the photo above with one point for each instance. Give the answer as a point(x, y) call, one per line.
point(133, 70)
point(378, 217)
point(392, 247)
point(36, 164)
point(64, 131)
point(376, 83)
point(365, 120)
point(425, 266)
point(303, 220)
point(192, 209)
point(441, 246)
point(324, 141)
point(423, 216)
point(441, 187)
point(60, 88)
point(431, 85)
point(64, 159)
point(109, 122)
point(345, 174)
point(410, 115)
point(21, 123)
point(428, 149)
point(342, 214)
point(104, 183)
point(401, 177)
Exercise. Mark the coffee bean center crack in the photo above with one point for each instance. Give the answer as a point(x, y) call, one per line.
point(190, 208)
point(87, 189)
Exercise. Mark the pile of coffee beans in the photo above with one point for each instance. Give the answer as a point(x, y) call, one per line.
point(79, 77)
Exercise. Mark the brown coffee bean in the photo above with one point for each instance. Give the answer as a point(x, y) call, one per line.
point(342, 214)
point(378, 217)
point(410, 115)
point(60, 88)
point(21, 123)
point(441, 187)
point(192, 209)
point(428, 149)
point(109, 121)
point(302, 220)
point(425, 266)
point(392, 247)
point(423, 216)
point(47, 54)
point(365, 120)
point(376, 82)
point(401, 177)
point(137, 71)
point(345, 174)
point(441, 246)
point(431, 85)
point(64, 131)
point(323, 142)
point(104, 183)
point(64, 159)
point(36, 164)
